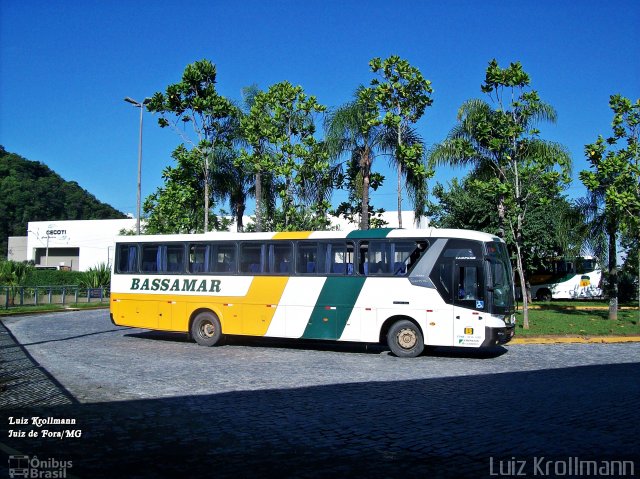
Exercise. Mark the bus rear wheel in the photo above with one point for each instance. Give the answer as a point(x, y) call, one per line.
point(206, 329)
point(405, 339)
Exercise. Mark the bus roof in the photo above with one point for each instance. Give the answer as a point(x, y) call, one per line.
point(380, 233)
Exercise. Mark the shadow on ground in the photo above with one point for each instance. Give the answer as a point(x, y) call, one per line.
point(321, 345)
point(443, 427)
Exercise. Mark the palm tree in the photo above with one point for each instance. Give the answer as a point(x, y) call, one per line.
point(264, 185)
point(502, 146)
point(415, 182)
point(603, 237)
point(231, 183)
point(348, 133)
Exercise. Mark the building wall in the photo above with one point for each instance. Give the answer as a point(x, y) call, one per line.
point(78, 244)
point(17, 250)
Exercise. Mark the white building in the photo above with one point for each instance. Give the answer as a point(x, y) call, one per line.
point(78, 245)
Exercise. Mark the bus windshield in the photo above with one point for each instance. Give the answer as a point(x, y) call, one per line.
point(502, 295)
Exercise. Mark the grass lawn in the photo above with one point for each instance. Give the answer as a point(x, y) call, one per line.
point(578, 319)
point(51, 307)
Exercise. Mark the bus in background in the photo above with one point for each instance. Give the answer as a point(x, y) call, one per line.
point(402, 288)
point(578, 278)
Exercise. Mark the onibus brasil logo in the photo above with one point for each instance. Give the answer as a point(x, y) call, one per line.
point(32, 467)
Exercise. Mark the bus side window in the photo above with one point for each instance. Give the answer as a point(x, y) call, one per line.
point(150, 254)
point(280, 258)
point(175, 258)
point(224, 257)
point(385, 258)
point(252, 257)
point(335, 258)
point(127, 258)
point(199, 255)
point(306, 258)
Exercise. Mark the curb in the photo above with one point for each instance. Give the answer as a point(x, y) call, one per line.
point(577, 339)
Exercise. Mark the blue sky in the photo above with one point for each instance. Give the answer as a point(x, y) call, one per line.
point(66, 66)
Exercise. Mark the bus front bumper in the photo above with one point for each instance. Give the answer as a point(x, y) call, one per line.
point(496, 336)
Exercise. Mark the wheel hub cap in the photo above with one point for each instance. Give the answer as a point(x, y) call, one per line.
point(208, 330)
point(407, 338)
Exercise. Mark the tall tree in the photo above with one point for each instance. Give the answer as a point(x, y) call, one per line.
point(349, 132)
point(177, 206)
point(549, 232)
point(501, 142)
point(194, 100)
point(401, 96)
point(614, 184)
point(282, 120)
point(256, 154)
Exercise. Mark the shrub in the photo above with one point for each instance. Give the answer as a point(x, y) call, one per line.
point(98, 276)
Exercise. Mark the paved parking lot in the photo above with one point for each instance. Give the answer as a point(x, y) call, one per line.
point(150, 404)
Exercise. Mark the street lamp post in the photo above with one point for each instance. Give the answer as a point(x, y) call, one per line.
point(137, 104)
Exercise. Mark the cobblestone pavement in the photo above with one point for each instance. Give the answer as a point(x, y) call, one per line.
point(151, 404)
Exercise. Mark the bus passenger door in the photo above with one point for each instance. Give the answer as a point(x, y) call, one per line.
point(469, 306)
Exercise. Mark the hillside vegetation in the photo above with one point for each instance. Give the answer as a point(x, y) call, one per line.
point(31, 191)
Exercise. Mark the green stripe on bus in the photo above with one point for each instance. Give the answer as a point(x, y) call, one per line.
point(378, 233)
point(333, 308)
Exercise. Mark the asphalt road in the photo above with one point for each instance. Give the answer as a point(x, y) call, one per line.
point(150, 404)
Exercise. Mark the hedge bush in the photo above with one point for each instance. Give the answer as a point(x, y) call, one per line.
point(50, 277)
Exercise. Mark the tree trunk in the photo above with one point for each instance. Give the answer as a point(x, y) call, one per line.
point(206, 192)
point(258, 201)
point(366, 181)
point(399, 177)
point(501, 217)
point(523, 287)
point(612, 283)
point(399, 196)
point(239, 215)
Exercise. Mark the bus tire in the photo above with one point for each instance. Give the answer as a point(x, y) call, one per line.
point(405, 339)
point(206, 329)
point(543, 295)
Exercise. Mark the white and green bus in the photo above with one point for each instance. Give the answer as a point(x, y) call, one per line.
point(574, 278)
point(404, 288)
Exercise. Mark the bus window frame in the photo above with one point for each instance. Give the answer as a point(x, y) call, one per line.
point(363, 248)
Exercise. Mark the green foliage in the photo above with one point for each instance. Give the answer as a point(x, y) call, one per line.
point(279, 130)
point(33, 192)
point(349, 134)
point(50, 277)
point(614, 185)
point(178, 205)
point(549, 232)
point(616, 172)
point(195, 101)
point(13, 274)
point(397, 100)
point(98, 276)
point(511, 163)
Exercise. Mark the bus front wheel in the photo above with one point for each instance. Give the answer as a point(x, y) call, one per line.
point(206, 329)
point(405, 339)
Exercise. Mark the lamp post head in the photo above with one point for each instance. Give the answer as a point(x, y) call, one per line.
point(137, 103)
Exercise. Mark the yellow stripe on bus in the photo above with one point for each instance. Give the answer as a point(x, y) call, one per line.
point(259, 305)
point(292, 235)
point(250, 314)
